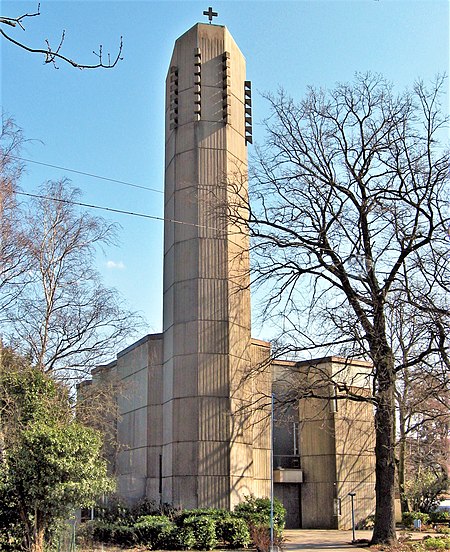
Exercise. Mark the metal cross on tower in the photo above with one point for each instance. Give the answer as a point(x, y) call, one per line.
point(210, 13)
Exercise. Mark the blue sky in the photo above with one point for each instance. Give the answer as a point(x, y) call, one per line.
point(110, 122)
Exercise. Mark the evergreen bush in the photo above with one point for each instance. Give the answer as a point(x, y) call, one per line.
point(234, 532)
point(439, 516)
point(124, 535)
point(436, 543)
point(204, 529)
point(180, 538)
point(113, 533)
point(144, 507)
point(153, 531)
point(409, 517)
point(256, 512)
point(201, 529)
point(214, 513)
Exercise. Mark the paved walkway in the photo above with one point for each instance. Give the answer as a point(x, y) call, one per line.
point(305, 539)
point(320, 539)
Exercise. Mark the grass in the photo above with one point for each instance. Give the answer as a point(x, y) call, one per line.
point(428, 543)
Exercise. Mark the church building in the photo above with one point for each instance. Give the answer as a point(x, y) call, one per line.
point(195, 414)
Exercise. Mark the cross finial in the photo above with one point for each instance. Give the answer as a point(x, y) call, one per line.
point(210, 13)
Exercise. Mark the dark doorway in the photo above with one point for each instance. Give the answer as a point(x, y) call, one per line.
point(289, 495)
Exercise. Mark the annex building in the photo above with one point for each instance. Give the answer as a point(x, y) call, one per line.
point(194, 423)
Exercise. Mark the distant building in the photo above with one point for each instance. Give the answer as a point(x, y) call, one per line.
point(195, 416)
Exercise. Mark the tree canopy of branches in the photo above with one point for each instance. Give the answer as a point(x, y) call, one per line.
point(55, 306)
point(349, 220)
point(423, 425)
point(49, 463)
point(54, 54)
point(12, 250)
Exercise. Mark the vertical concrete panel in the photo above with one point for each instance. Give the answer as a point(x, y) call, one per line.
point(214, 421)
point(214, 491)
point(213, 375)
point(184, 410)
point(214, 458)
point(183, 384)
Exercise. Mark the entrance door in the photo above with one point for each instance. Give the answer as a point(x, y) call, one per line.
point(289, 495)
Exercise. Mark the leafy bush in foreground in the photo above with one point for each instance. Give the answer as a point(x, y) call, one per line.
point(436, 543)
point(235, 532)
point(409, 517)
point(256, 512)
point(439, 516)
point(153, 530)
point(201, 529)
point(204, 529)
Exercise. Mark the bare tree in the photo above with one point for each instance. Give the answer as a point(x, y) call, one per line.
point(65, 318)
point(422, 396)
point(53, 54)
point(349, 208)
point(13, 258)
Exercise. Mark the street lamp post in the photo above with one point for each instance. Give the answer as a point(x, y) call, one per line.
point(352, 496)
point(271, 473)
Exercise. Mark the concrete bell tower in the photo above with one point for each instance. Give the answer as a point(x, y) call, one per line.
point(194, 411)
point(208, 456)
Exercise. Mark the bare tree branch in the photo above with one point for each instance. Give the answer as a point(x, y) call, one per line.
point(348, 218)
point(52, 55)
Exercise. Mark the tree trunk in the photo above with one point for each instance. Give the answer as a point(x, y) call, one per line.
point(401, 463)
point(384, 528)
point(38, 544)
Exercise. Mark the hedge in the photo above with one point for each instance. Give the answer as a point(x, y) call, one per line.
point(201, 529)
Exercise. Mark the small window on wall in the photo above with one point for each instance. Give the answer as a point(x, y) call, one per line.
point(334, 401)
point(286, 438)
point(337, 507)
point(296, 441)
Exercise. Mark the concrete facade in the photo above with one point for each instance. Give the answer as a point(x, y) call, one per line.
point(241, 464)
point(194, 424)
point(335, 442)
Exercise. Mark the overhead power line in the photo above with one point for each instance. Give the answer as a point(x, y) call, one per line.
point(110, 209)
point(89, 174)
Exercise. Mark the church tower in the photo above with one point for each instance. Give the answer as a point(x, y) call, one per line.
point(194, 400)
point(207, 437)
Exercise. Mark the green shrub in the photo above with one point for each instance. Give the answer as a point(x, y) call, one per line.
point(204, 529)
point(102, 531)
point(116, 511)
point(124, 535)
point(180, 538)
point(85, 534)
point(201, 528)
point(436, 543)
point(213, 513)
point(153, 531)
point(234, 531)
point(12, 529)
point(11, 533)
point(256, 512)
point(409, 517)
point(144, 507)
point(113, 533)
point(439, 517)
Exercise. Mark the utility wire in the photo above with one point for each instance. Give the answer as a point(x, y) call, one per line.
point(88, 174)
point(100, 208)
